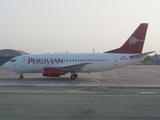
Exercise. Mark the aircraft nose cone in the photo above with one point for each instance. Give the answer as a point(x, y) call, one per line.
point(5, 65)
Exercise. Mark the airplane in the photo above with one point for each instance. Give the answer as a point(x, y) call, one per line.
point(55, 65)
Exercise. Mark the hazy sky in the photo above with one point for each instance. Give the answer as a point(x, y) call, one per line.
point(41, 26)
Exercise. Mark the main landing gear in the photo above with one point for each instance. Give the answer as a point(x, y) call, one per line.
point(21, 76)
point(74, 76)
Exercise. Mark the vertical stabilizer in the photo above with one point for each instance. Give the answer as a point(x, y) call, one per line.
point(135, 42)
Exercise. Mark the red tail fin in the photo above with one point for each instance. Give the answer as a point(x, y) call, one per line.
point(135, 42)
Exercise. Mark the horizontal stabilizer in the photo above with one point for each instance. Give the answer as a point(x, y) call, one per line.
point(141, 55)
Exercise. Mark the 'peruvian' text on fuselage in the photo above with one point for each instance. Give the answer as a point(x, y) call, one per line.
point(44, 60)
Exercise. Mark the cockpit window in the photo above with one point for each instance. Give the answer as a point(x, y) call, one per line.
point(13, 60)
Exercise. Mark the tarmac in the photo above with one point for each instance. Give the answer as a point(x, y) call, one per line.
point(130, 76)
point(132, 92)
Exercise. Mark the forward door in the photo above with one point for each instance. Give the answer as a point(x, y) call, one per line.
point(24, 61)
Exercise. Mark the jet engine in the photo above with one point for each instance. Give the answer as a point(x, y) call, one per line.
point(53, 72)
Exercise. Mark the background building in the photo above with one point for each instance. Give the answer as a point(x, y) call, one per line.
point(156, 59)
point(8, 54)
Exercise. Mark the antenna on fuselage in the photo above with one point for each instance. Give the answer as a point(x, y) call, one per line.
point(93, 50)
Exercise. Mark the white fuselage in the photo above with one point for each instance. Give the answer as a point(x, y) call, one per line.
point(96, 62)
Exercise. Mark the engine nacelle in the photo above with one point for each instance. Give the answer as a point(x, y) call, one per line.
point(53, 72)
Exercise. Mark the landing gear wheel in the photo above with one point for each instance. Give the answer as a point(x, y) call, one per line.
point(21, 77)
point(76, 76)
point(73, 77)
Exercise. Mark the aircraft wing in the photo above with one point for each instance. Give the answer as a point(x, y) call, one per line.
point(141, 55)
point(74, 67)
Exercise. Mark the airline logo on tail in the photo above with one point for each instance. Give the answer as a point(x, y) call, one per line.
point(134, 44)
point(134, 40)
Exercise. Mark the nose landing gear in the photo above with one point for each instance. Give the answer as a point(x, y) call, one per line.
point(21, 76)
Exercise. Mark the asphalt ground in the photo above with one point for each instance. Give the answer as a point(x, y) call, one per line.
point(130, 76)
point(50, 103)
point(131, 92)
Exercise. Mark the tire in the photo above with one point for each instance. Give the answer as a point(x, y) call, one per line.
point(21, 77)
point(76, 76)
point(73, 77)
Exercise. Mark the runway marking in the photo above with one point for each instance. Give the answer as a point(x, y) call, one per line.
point(147, 76)
point(152, 70)
point(75, 92)
point(148, 93)
point(99, 77)
point(144, 75)
point(118, 78)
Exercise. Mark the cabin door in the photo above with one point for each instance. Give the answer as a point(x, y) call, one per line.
point(24, 61)
point(115, 60)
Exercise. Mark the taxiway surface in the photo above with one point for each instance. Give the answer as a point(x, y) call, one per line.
point(130, 76)
point(51, 103)
point(131, 92)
